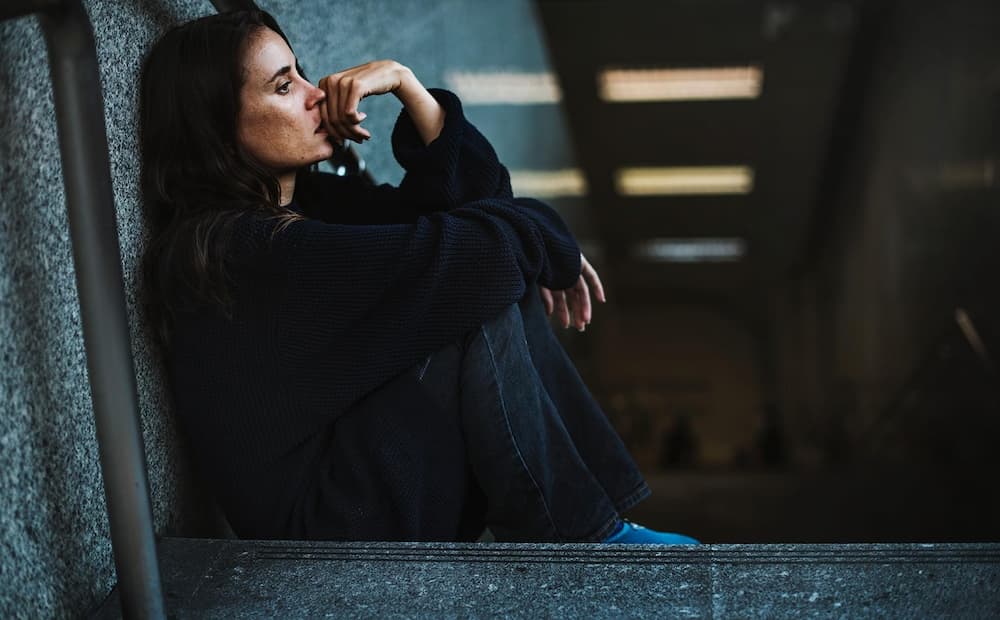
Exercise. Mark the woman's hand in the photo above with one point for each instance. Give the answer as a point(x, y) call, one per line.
point(573, 306)
point(345, 90)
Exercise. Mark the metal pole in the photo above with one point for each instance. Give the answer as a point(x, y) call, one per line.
point(83, 146)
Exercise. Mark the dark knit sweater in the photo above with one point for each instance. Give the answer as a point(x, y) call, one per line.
point(332, 307)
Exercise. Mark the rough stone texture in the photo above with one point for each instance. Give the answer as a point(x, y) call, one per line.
point(225, 579)
point(55, 555)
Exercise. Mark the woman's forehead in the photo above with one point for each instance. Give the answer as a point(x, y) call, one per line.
point(267, 53)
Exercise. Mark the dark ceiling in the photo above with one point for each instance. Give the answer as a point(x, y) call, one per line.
point(786, 134)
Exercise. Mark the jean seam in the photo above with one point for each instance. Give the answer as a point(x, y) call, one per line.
point(604, 531)
point(423, 370)
point(632, 498)
point(510, 433)
point(639, 493)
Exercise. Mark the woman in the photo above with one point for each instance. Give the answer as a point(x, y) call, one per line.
point(354, 362)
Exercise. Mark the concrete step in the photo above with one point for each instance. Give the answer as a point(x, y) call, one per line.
point(279, 579)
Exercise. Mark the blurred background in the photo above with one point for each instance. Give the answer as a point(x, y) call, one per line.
point(793, 205)
point(809, 318)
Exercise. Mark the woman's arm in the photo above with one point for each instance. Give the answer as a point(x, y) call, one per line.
point(463, 167)
point(447, 272)
point(424, 110)
point(447, 161)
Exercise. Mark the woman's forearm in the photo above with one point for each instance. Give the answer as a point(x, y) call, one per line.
point(426, 113)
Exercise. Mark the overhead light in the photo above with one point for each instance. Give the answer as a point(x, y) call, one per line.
point(681, 180)
point(566, 182)
point(968, 174)
point(693, 250)
point(504, 87)
point(689, 84)
point(979, 174)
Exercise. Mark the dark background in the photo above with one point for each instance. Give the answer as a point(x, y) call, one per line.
point(823, 388)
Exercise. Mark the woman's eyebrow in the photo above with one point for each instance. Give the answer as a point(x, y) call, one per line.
point(282, 71)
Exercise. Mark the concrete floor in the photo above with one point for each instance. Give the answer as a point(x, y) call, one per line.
point(285, 579)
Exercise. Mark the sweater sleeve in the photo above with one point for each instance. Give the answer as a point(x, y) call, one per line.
point(460, 266)
point(458, 167)
point(359, 304)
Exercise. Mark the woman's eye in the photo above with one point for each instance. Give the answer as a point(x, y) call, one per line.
point(283, 89)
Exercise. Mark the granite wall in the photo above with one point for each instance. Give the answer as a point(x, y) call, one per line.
point(55, 553)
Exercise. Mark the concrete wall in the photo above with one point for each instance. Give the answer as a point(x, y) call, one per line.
point(55, 555)
point(886, 373)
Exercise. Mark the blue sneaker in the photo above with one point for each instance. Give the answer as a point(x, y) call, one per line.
point(629, 533)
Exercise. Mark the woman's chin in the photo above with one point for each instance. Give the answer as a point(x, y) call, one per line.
point(323, 155)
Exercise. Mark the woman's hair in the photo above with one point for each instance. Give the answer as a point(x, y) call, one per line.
point(197, 180)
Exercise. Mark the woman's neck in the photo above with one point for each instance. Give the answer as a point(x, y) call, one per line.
point(286, 184)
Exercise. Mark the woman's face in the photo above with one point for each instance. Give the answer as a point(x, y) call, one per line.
point(279, 120)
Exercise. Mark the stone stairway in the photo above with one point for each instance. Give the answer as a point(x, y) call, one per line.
point(248, 579)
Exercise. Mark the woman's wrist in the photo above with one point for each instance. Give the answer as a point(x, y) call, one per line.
point(424, 110)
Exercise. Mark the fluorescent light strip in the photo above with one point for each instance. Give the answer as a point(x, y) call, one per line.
point(694, 84)
point(694, 250)
point(504, 87)
point(549, 183)
point(684, 180)
point(967, 174)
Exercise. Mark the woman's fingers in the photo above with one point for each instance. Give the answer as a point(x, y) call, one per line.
point(590, 274)
point(546, 296)
point(345, 90)
point(340, 130)
point(324, 110)
point(352, 91)
point(324, 118)
point(561, 309)
point(574, 306)
point(332, 105)
point(581, 304)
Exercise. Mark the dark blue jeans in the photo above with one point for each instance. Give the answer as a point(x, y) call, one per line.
point(497, 430)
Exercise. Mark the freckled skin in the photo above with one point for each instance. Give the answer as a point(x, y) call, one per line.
point(278, 119)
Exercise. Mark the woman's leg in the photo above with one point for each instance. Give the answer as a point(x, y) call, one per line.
point(538, 485)
point(394, 467)
point(595, 439)
point(472, 436)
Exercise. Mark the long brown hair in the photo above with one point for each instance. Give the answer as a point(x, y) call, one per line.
point(197, 180)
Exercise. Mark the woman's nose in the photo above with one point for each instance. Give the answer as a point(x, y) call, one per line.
point(316, 96)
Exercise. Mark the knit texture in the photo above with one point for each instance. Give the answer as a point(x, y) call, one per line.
point(330, 308)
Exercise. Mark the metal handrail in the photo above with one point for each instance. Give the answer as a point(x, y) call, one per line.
point(83, 147)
